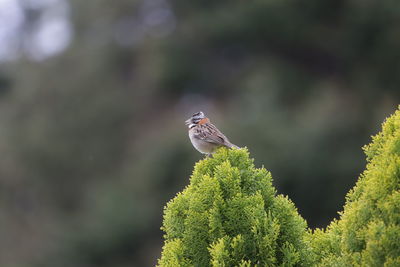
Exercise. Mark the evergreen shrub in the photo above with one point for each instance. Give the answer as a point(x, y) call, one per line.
point(230, 215)
point(368, 231)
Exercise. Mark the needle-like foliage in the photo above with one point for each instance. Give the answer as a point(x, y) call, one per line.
point(368, 231)
point(229, 215)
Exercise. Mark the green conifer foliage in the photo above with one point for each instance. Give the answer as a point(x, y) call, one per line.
point(368, 231)
point(229, 215)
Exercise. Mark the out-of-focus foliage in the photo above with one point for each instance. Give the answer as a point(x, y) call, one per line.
point(93, 142)
point(229, 215)
point(368, 231)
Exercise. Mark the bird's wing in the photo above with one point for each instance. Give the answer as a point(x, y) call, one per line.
point(209, 133)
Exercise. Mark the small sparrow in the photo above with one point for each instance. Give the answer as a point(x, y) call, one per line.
point(205, 137)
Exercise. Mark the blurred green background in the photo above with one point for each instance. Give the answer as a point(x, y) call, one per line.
point(94, 95)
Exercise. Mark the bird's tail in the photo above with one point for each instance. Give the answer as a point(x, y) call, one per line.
point(230, 145)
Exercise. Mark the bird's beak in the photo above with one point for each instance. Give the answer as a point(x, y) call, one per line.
point(189, 121)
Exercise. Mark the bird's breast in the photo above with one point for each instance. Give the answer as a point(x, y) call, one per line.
point(201, 145)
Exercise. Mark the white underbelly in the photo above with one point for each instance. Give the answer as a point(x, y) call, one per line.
point(202, 146)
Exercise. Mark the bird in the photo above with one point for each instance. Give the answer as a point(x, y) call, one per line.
point(205, 137)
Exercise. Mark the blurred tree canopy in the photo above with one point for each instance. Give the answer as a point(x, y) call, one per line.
point(93, 138)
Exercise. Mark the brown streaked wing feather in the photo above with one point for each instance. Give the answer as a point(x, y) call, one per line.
point(209, 133)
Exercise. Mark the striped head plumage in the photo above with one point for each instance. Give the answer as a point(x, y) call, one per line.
point(197, 118)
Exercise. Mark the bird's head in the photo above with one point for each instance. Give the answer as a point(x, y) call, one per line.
point(195, 119)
